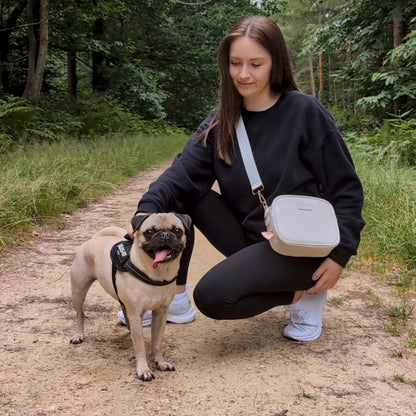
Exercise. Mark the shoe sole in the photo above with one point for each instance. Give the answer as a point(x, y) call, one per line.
point(312, 337)
point(174, 319)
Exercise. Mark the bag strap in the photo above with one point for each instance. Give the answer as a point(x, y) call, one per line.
point(249, 162)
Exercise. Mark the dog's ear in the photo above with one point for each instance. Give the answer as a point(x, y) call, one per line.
point(137, 221)
point(186, 221)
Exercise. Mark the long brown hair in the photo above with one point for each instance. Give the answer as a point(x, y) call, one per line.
point(267, 34)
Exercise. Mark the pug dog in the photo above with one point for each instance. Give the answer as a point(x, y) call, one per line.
point(159, 240)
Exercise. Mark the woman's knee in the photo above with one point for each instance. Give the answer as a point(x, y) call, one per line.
point(208, 301)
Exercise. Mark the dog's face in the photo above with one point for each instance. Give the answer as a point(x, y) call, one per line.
point(161, 236)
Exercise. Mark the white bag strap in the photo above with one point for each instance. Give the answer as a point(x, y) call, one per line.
point(249, 162)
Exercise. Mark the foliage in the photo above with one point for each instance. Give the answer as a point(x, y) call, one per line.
point(138, 89)
point(90, 114)
point(348, 122)
point(393, 142)
point(158, 56)
point(299, 21)
point(18, 119)
point(355, 38)
point(272, 7)
point(397, 79)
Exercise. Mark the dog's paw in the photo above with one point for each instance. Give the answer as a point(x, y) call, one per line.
point(77, 339)
point(164, 366)
point(145, 375)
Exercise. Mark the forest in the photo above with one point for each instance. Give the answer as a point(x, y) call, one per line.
point(95, 73)
point(155, 60)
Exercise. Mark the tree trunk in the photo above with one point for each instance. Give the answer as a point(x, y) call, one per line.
point(37, 49)
point(331, 93)
point(98, 59)
point(312, 75)
point(320, 67)
point(398, 34)
point(321, 76)
point(398, 28)
point(71, 64)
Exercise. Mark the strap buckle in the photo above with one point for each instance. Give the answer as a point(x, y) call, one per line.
point(262, 199)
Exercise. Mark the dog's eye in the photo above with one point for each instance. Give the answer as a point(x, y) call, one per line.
point(178, 231)
point(149, 232)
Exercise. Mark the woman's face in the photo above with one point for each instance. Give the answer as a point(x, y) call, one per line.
point(250, 69)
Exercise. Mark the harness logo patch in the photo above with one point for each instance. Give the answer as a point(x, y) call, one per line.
point(122, 250)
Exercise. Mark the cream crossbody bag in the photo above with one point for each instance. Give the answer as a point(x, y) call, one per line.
point(297, 225)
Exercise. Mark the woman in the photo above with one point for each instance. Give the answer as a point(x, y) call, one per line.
point(298, 150)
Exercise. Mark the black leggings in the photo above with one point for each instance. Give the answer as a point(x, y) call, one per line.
point(253, 278)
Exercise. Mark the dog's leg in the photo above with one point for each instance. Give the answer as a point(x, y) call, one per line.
point(81, 281)
point(159, 317)
point(136, 331)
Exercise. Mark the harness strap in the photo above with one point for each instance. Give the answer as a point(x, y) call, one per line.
point(113, 276)
point(144, 277)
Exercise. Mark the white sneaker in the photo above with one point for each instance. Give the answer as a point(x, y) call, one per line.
point(181, 311)
point(306, 317)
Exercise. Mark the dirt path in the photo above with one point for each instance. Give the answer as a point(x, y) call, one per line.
point(222, 368)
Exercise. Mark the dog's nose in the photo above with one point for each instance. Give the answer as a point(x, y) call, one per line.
point(164, 235)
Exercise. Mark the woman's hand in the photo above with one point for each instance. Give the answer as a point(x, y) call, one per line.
point(326, 276)
point(130, 231)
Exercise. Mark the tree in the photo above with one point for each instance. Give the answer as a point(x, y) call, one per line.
point(37, 12)
point(398, 18)
point(299, 20)
point(359, 34)
point(396, 83)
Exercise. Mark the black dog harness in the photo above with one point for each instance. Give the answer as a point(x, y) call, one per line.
point(120, 257)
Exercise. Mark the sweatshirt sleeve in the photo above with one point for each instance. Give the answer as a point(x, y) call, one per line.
point(342, 187)
point(188, 178)
point(333, 167)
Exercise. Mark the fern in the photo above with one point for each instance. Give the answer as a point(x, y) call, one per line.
point(42, 134)
point(14, 105)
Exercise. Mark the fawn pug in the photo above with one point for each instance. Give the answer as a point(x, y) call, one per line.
point(155, 253)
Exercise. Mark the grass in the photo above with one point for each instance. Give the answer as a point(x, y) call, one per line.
point(403, 312)
point(400, 378)
point(390, 212)
point(40, 182)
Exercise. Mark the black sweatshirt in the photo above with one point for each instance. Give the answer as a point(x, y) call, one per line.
point(298, 150)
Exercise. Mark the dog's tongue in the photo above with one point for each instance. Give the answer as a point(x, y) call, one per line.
point(160, 256)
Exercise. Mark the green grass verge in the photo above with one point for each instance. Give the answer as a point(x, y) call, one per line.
point(389, 211)
point(40, 182)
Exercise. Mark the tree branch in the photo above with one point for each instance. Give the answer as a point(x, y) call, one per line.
point(25, 25)
point(197, 3)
